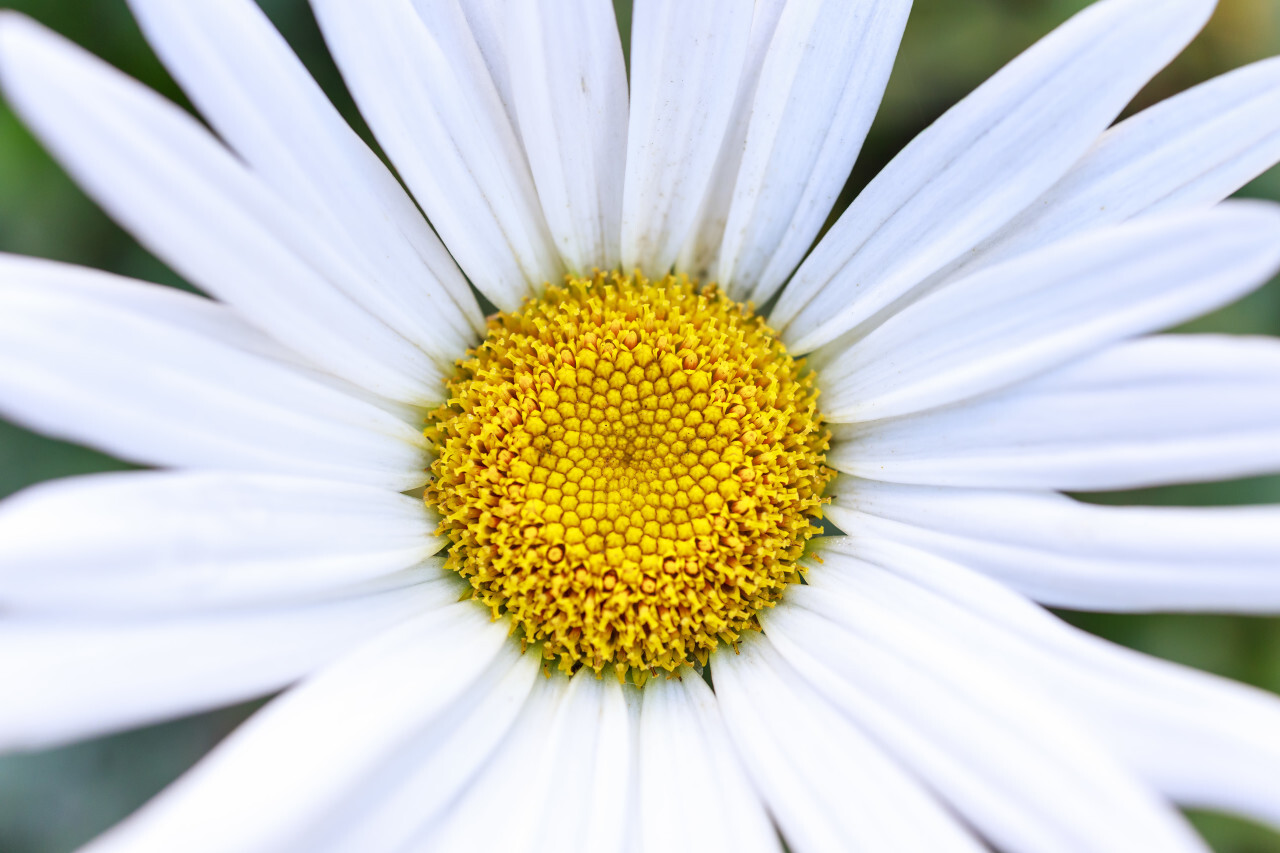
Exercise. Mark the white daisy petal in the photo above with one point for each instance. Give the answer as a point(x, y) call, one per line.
point(172, 541)
point(252, 88)
point(202, 318)
point(160, 377)
point(1033, 313)
point(1156, 411)
point(1189, 151)
point(515, 778)
point(828, 785)
point(1025, 775)
point(686, 757)
point(1069, 554)
point(701, 249)
point(1227, 735)
point(573, 743)
point(188, 199)
point(987, 158)
point(487, 20)
point(423, 85)
point(819, 89)
point(570, 87)
point(413, 794)
point(608, 782)
point(73, 678)
point(197, 315)
point(433, 694)
point(686, 61)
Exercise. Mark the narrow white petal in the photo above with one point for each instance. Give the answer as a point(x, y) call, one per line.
point(197, 315)
point(1069, 554)
point(596, 764)
point(515, 779)
point(1202, 740)
point(686, 757)
point(829, 786)
point(161, 377)
point(202, 318)
point(1024, 774)
point(187, 198)
point(313, 765)
point(985, 160)
point(1040, 310)
point(422, 84)
point(175, 541)
point(573, 745)
point(263, 102)
point(570, 87)
point(1161, 410)
point(488, 22)
point(686, 61)
point(1187, 152)
point(68, 678)
point(413, 795)
point(701, 250)
point(819, 89)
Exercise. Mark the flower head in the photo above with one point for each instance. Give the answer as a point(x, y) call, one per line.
point(630, 470)
point(568, 554)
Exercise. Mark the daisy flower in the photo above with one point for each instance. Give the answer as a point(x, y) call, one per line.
point(550, 579)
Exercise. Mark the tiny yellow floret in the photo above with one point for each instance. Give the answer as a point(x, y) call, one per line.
point(629, 470)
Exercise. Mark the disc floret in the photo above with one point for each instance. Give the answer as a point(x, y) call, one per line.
point(629, 470)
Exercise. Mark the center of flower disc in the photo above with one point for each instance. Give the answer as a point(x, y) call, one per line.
point(629, 470)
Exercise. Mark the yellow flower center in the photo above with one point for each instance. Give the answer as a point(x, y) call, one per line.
point(629, 470)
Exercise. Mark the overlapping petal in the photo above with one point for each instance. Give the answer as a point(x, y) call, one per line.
point(1156, 411)
point(364, 755)
point(1201, 740)
point(188, 199)
point(686, 756)
point(487, 20)
point(1187, 152)
point(702, 247)
point(423, 86)
point(258, 96)
point(827, 784)
point(820, 86)
point(574, 742)
point(173, 542)
point(162, 377)
point(1040, 310)
point(982, 162)
point(1065, 553)
point(686, 62)
point(569, 83)
point(1023, 773)
point(72, 677)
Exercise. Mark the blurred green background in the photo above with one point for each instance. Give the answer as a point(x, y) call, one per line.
point(56, 800)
